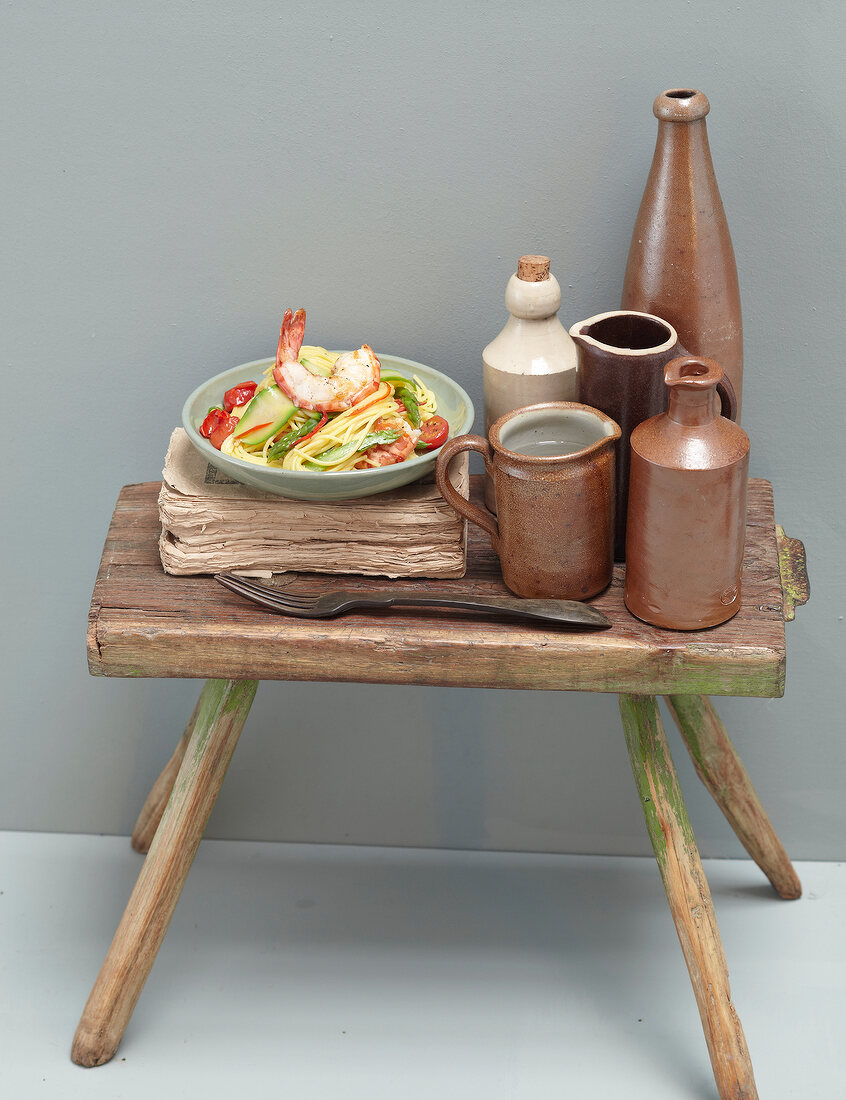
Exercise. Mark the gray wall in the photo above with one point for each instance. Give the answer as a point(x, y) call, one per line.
point(175, 175)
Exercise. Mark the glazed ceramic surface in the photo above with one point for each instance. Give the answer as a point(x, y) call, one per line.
point(681, 263)
point(552, 466)
point(687, 506)
point(533, 359)
point(453, 404)
point(622, 355)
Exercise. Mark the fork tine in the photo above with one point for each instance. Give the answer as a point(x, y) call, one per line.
point(276, 608)
point(245, 584)
point(240, 586)
point(293, 598)
point(287, 599)
point(263, 600)
point(270, 597)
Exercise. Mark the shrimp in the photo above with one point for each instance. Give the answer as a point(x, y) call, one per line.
point(386, 454)
point(354, 375)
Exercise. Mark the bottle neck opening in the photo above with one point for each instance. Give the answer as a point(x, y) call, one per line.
point(681, 105)
point(688, 406)
point(693, 384)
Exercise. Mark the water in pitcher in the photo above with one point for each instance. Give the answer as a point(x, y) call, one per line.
point(550, 448)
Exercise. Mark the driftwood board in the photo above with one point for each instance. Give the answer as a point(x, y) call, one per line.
point(144, 622)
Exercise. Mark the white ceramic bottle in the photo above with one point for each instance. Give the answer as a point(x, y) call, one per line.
point(534, 358)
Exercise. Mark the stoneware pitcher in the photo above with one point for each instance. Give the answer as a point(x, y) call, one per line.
point(622, 356)
point(552, 467)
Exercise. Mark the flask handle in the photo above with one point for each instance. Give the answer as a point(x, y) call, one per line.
point(728, 398)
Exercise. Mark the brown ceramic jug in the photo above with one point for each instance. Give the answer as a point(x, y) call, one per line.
point(552, 468)
point(622, 355)
point(681, 262)
point(687, 506)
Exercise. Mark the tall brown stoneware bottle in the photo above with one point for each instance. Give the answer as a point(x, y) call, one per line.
point(687, 506)
point(681, 263)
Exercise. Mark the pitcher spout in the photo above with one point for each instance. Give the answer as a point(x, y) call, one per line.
point(626, 332)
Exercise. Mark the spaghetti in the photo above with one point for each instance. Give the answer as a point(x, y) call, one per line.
point(386, 426)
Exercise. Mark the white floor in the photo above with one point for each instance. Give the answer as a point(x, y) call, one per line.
point(328, 973)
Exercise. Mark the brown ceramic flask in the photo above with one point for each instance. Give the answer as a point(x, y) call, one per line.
point(681, 262)
point(687, 506)
point(552, 468)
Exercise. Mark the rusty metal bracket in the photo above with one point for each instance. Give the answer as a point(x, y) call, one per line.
point(793, 568)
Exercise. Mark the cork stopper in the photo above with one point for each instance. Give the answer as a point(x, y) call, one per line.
point(533, 269)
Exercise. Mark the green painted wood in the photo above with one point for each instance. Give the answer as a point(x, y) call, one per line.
point(687, 893)
point(724, 776)
point(223, 710)
point(652, 766)
point(793, 570)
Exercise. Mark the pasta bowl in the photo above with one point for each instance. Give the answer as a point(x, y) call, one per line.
point(453, 404)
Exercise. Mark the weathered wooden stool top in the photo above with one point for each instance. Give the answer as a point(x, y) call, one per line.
point(144, 622)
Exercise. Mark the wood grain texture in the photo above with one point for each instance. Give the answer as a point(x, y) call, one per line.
point(688, 895)
point(146, 623)
point(721, 770)
point(145, 920)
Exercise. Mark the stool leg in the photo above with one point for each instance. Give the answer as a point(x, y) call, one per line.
point(721, 770)
point(154, 807)
point(688, 894)
point(224, 709)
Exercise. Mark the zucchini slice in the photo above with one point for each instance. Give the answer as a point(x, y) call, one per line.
point(267, 413)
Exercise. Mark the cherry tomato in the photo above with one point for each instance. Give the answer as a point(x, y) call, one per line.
point(239, 395)
point(214, 418)
point(433, 433)
point(225, 428)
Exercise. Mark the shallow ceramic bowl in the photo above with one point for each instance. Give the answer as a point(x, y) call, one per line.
point(453, 404)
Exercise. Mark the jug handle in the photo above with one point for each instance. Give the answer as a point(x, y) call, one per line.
point(476, 515)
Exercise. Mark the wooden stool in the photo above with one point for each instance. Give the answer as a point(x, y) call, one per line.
point(144, 622)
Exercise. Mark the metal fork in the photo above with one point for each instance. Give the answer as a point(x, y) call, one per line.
point(302, 606)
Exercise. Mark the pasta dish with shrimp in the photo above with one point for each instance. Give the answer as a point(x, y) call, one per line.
point(325, 411)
